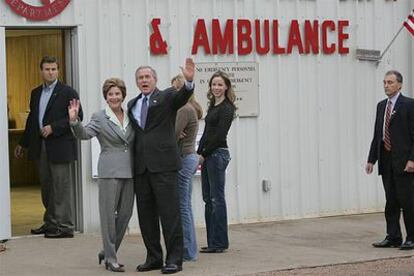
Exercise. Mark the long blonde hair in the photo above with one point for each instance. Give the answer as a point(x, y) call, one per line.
point(178, 82)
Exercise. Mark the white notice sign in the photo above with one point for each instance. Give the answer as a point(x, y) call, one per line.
point(244, 78)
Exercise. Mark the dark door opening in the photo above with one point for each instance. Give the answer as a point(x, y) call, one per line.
point(24, 50)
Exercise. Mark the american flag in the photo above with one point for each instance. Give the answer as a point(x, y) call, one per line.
point(409, 23)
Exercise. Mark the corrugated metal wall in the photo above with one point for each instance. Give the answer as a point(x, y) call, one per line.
point(316, 111)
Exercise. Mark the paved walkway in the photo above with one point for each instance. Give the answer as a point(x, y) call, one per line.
point(260, 247)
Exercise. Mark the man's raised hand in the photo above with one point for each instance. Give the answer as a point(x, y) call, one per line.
point(188, 69)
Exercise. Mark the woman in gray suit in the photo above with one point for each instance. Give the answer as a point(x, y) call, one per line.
point(116, 191)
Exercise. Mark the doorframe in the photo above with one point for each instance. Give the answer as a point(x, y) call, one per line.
point(71, 38)
point(5, 211)
point(71, 49)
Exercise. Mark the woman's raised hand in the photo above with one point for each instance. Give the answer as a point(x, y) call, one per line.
point(73, 110)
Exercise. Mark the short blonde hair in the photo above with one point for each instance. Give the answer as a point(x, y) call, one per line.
point(178, 81)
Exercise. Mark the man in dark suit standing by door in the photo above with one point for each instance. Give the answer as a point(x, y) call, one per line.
point(393, 147)
point(152, 114)
point(50, 142)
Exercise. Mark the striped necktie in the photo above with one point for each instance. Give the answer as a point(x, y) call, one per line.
point(387, 140)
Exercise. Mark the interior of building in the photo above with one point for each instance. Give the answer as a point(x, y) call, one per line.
point(24, 50)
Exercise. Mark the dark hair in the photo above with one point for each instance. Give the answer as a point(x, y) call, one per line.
point(154, 73)
point(230, 95)
point(48, 59)
point(113, 82)
point(397, 75)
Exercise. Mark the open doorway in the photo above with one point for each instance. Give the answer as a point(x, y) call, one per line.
point(24, 50)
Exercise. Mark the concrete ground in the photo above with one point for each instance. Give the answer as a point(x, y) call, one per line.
point(261, 249)
point(402, 266)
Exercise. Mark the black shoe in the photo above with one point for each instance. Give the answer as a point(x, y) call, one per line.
point(114, 267)
point(171, 269)
point(211, 250)
point(148, 267)
point(101, 257)
point(387, 243)
point(58, 234)
point(408, 245)
point(41, 230)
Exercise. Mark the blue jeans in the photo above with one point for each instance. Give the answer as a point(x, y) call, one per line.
point(185, 188)
point(213, 175)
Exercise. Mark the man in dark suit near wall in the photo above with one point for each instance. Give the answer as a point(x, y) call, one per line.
point(50, 142)
point(152, 114)
point(393, 147)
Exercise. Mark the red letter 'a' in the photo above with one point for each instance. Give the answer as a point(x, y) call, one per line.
point(294, 38)
point(222, 42)
point(244, 36)
point(261, 50)
point(312, 36)
point(200, 38)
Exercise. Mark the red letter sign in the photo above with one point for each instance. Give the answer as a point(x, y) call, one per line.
point(325, 25)
point(200, 38)
point(312, 36)
point(158, 45)
point(261, 50)
point(294, 38)
point(342, 36)
point(223, 41)
point(48, 10)
point(244, 37)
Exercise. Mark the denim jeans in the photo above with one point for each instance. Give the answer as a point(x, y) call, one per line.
point(213, 175)
point(185, 187)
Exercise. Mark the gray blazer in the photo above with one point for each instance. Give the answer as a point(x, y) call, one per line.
point(116, 157)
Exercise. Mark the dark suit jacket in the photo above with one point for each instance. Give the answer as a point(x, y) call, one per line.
point(61, 145)
point(156, 146)
point(401, 134)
